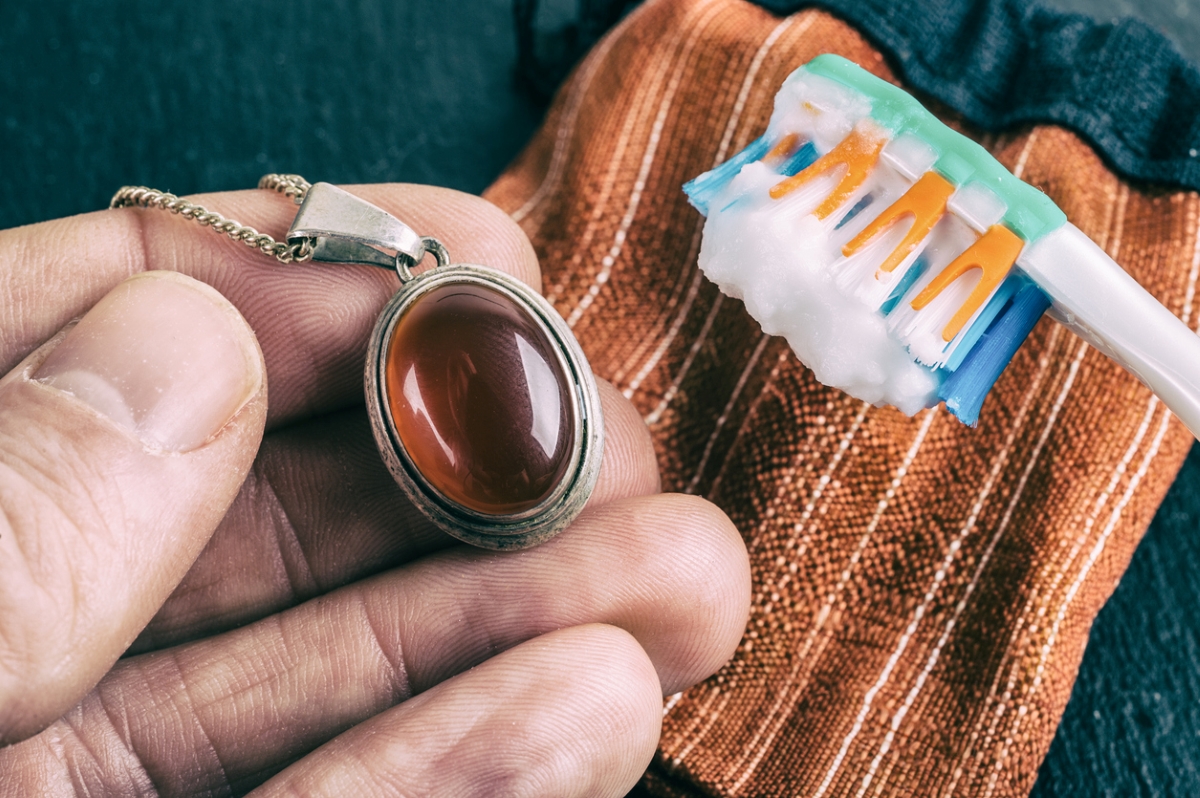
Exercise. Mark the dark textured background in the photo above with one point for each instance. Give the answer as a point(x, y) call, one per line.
point(208, 96)
point(204, 97)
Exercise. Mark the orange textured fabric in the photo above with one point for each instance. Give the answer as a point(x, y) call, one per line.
point(922, 590)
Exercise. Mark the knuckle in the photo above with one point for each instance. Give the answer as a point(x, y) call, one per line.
point(84, 753)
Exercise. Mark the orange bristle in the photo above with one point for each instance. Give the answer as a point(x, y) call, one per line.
point(994, 254)
point(858, 153)
point(925, 201)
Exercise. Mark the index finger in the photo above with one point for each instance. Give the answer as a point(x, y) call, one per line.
point(312, 319)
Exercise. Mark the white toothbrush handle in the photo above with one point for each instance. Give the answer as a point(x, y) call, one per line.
point(1101, 303)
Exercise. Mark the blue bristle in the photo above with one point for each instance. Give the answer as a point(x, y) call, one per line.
point(855, 211)
point(701, 190)
point(732, 202)
point(801, 159)
point(991, 310)
point(964, 390)
point(911, 276)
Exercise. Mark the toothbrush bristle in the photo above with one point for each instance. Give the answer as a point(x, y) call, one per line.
point(857, 154)
point(701, 190)
point(802, 159)
point(911, 275)
point(782, 151)
point(980, 324)
point(925, 202)
point(964, 390)
point(863, 203)
point(994, 255)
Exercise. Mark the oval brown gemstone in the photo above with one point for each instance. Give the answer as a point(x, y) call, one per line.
point(479, 399)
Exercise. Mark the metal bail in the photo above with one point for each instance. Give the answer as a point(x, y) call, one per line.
point(350, 230)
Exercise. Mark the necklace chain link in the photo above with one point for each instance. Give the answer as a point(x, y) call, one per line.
point(294, 187)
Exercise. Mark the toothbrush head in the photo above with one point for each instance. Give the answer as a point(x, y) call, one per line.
point(885, 246)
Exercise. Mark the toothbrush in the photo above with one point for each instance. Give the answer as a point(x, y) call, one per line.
point(904, 264)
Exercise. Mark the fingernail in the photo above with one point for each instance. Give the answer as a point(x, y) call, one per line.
point(163, 356)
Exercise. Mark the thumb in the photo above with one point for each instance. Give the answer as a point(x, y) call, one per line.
point(123, 441)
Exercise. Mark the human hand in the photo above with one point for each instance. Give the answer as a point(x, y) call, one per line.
point(290, 620)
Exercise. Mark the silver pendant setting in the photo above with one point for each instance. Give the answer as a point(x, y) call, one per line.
point(345, 229)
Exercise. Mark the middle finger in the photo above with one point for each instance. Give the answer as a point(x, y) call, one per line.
point(320, 510)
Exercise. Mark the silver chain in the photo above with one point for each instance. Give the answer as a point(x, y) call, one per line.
point(293, 186)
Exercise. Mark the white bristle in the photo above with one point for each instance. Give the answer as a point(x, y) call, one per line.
point(909, 155)
point(803, 201)
point(921, 330)
point(747, 185)
point(884, 186)
point(859, 276)
point(977, 205)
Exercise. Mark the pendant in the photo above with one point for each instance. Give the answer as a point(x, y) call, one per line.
point(481, 401)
